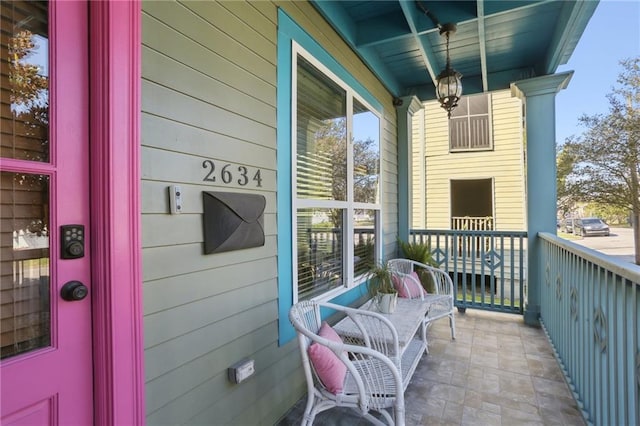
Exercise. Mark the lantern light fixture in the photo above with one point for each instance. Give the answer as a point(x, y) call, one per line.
point(449, 81)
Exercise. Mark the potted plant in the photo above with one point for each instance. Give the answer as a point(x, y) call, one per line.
point(420, 252)
point(381, 288)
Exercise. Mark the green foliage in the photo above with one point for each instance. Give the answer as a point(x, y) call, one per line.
point(420, 252)
point(604, 161)
point(365, 252)
point(331, 146)
point(606, 168)
point(27, 83)
point(379, 280)
point(610, 214)
point(28, 93)
point(565, 163)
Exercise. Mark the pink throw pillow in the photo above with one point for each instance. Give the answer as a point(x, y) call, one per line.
point(328, 366)
point(408, 286)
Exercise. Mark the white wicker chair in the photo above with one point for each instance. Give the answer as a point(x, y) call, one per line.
point(373, 380)
point(443, 285)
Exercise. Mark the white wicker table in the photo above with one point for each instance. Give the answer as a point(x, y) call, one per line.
point(407, 319)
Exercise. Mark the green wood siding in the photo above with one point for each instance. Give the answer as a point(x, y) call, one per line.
point(209, 92)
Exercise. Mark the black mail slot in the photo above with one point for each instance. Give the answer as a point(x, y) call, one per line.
point(232, 221)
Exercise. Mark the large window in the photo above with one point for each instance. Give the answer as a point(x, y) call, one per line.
point(336, 181)
point(470, 124)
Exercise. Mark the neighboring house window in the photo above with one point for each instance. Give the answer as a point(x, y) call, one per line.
point(470, 124)
point(336, 181)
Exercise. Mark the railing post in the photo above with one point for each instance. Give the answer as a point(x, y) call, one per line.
point(539, 94)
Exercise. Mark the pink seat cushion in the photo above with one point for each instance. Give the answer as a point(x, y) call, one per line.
point(408, 286)
point(328, 366)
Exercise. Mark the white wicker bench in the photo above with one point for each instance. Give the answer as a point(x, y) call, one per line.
point(408, 321)
point(380, 352)
point(441, 303)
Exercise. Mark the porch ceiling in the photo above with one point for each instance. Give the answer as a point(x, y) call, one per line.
point(497, 42)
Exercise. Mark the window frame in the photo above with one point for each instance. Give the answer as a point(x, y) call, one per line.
point(468, 116)
point(349, 206)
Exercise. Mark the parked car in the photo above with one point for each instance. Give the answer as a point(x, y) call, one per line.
point(568, 225)
point(590, 226)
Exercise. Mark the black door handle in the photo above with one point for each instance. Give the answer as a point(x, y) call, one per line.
point(74, 290)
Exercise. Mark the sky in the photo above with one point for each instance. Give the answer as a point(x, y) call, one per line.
point(612, 34)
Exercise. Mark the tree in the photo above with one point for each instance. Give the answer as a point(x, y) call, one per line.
point(606, 164)
point(332, 148)
point(27, 84)
point(610, 214)
point(565, 162)
point(29, 97)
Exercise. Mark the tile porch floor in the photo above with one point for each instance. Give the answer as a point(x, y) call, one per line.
point(498, 371)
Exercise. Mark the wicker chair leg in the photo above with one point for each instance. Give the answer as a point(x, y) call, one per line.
point(452, 324)
point(376, 421)
point(387, 417)
point(399, 416)
point(309, 411)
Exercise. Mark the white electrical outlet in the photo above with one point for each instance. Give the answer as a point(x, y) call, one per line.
point(241, 370)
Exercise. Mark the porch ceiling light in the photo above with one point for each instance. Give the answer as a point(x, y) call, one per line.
point(449, 81)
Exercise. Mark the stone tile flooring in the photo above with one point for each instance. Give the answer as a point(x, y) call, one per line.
point(498, 371)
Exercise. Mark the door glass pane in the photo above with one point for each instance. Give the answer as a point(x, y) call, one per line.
point(24, 262)
point(321, 135)
point(320, 251)
point(24, 80)
point(366, 154)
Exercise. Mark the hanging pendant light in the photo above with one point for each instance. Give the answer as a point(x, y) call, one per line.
point(449, 81)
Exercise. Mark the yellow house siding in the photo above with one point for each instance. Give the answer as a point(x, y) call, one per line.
point(417, 188)
point(504, 164)
point(209, 91)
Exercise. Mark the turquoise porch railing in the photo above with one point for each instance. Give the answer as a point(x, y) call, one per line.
point(589, 310)
point(488, 268)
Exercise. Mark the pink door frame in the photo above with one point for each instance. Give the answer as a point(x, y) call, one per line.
point(115, 74)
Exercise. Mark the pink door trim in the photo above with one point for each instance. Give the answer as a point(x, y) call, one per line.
point(114, 43)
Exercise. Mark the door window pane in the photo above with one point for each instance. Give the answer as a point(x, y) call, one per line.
point(24, 81)
point(321, 135)
point(366, 154)
point(24, 262)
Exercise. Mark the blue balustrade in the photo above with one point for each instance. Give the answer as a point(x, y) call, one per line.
point(488, 268)
point(589, 310)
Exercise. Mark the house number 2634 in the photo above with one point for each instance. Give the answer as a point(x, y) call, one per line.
point(230, 173)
